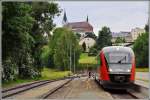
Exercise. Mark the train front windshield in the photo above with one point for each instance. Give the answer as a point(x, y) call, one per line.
point(118, 61)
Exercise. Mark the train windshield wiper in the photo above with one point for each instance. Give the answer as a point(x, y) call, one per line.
point(122, 59)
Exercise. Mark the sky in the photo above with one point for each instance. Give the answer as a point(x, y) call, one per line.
point(117, 15)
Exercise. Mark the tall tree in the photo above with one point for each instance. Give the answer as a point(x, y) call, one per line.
point(64, 45)
point(140, 48)
point(23, 26)
point(84, 46)
point(147, 28)
point(43, 13)
point(16, 39)
point(104, 38)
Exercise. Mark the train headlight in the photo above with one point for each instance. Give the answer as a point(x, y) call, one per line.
point(110, 70)
point(128, 70)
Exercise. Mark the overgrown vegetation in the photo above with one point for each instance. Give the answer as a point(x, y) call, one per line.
point(120, 40)
point(64, 48)
point(23, 26)
point(49, 74)
point(141, 50)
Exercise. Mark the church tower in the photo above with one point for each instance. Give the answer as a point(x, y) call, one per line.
point(87, 19)
point(65, 21)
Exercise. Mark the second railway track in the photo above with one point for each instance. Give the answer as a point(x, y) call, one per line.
point(45, 96)
point(18, 89)
point(122, 94)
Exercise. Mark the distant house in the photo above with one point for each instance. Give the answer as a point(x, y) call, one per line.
point(88, 41)
point(136, 32)
point(81, 28)
point(122, 34)
point(128, 36)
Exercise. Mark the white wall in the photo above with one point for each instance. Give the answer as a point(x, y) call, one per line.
point(88, 41)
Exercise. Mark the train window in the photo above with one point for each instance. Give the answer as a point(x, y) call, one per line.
point(118, 57)
point(118, 61)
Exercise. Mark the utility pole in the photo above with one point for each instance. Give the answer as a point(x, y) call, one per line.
point(70, 58)
point(74, 61)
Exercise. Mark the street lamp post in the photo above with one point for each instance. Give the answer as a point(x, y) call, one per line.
point(74, 61)
point(70, 58)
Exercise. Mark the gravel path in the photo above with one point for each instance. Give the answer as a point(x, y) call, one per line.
point(81, 88)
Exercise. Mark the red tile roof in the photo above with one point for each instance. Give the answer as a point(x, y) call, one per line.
point(84, 26)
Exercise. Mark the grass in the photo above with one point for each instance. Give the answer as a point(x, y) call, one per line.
point(53, 74)
point(47, 74)
point(142, 69)
point(85, 59)
point(16, 82)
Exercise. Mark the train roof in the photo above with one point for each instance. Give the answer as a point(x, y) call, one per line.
point(117, 48)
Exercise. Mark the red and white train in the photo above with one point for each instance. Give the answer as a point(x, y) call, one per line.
point(116, 67)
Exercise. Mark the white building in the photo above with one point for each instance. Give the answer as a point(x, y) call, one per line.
point(136, 32)
point(88, 41)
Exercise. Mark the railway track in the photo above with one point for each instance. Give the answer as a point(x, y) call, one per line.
point(18, 89)
point(122, 94)
point(136, 92)
point(133, 92)
point(45, 96)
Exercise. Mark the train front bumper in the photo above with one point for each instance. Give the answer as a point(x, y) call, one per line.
point(115, 85)
point(118, 81)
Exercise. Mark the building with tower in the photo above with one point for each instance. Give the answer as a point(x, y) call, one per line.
point(64, 21)
point(82, 28)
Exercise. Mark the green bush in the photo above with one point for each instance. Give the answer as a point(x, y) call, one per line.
point(9, 70)
point(93, 51)
point(141, 50)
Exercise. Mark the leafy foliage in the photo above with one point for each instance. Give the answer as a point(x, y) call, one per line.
point(78, 35)
point(43, 12)
point(141, 50)
point(93, 51)
point(64, 44)
point(23, 25)
point(91, 35)
point(120, 40)
point(146, 28)
point(16, 38)
point(104, 38)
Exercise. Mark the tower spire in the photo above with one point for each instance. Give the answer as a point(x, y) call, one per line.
point(64, 18)
point(87, 19)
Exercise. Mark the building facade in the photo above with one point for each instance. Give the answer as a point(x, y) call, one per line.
point(88, 41)
point(122, 34)
point(136, 32)
point(80, 27)
point(128, 36)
